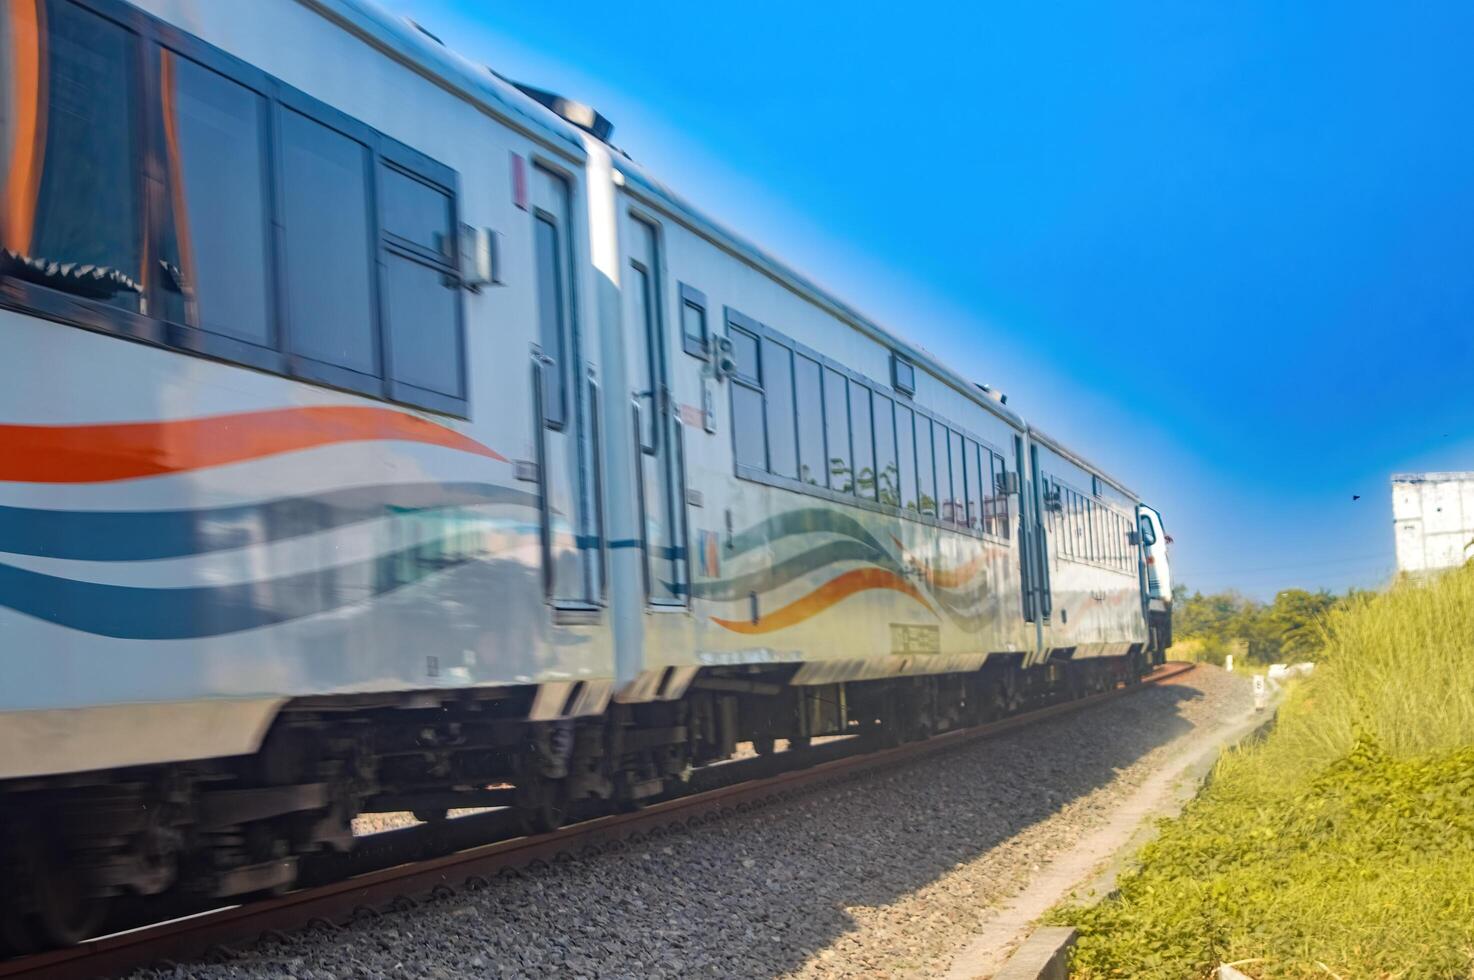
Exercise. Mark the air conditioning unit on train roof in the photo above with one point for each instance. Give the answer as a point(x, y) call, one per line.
point(585, 117)
point(993, 393)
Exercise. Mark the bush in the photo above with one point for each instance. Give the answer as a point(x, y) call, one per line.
point(1342, 845)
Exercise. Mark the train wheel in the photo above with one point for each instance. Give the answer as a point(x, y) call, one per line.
point(764, 744)
point(63, 910)
point(547, 813)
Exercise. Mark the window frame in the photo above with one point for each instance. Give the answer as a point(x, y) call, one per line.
point(853, 498)
point(691, 296)
point(734, 320)
point(153, 37)
point(906, 387)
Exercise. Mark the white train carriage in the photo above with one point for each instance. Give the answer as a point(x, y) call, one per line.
point(375, 434)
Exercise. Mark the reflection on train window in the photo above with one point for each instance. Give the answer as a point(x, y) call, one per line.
point(837, 431)
point(863, 435)
point(778, 393)
point(974, 486)
point(343, 234)
point(799, 421)
point(887, 472)
point(959, 481)
point(329, 315)
point(217, 255)
point(926, 474)
point(906, 446)
point(73, 191)
point(809, 405)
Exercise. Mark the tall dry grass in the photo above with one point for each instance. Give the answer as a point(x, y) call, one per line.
point(1399, 666)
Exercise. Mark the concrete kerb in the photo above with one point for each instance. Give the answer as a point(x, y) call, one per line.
point(1045, 953)
point(1044, 956)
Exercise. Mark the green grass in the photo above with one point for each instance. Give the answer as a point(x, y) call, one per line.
point(1340, 846)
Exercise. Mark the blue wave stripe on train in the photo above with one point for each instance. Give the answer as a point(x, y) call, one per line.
point(145, 535)
point(132, 613)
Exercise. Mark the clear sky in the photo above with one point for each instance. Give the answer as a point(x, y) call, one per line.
point(1226, 251)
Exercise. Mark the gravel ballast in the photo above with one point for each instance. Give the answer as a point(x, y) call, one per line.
point(886, 875)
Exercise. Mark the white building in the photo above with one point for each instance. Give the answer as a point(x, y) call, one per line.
point(1433, 517)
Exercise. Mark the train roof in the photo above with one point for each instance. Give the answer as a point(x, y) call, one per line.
point(646, 186)
point(417, 49)
point(1059, 448)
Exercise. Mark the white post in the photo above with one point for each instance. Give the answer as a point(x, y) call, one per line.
point(1260, 697)
point(1228, 663)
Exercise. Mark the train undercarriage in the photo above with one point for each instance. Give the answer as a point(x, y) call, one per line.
point(80, 851)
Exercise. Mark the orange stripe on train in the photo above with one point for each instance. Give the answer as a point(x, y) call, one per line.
point(128, 450)
point(831, 592)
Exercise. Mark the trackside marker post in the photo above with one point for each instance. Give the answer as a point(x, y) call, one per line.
point(1259, 693)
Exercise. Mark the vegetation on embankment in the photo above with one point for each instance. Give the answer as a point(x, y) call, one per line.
point(1343, 844)
point(1287, 629)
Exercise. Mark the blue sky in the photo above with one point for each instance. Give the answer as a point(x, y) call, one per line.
point(1226, 251)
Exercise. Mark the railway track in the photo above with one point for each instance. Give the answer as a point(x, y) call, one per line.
point(400, 882)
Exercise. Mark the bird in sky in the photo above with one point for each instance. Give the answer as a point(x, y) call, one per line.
point(1356, 496)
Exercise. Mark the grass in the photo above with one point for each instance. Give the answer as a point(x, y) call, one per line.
point(1340, 846)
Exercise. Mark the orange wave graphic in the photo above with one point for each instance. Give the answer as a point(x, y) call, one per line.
point(128, 450)
point(945, 578)
point(831, 592)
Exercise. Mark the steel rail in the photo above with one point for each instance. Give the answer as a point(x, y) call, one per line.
point(370, 895)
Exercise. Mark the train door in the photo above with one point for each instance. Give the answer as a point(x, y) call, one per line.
point(659, 437)
point(1041, 540)
point(571, 538)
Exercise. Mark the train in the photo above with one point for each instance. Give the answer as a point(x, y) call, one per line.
point(376, 436)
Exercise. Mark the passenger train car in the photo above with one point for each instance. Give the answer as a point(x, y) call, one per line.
point(374, 435)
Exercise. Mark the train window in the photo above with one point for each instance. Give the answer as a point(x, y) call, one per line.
point(959, 481)
point(548, 255)
point(946, 501)
point(421, 289)
point(1089, 515)
point(1002, 525)
point(1075, 523)
point(837, 431)
point(261, 246)
point(906, 451)
point(926, 474)
point(778, 394)
point(862, 428)
point(415, 212)
point(809, 406)
point(329, 267)
point(217, 249)
point(693, 322)
point(645, 349)
point(887, 471)
point(973, 456)
point(73, 190)
point(422, 308)
point(744, 353)
point(747, 427)
point(903, 375)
